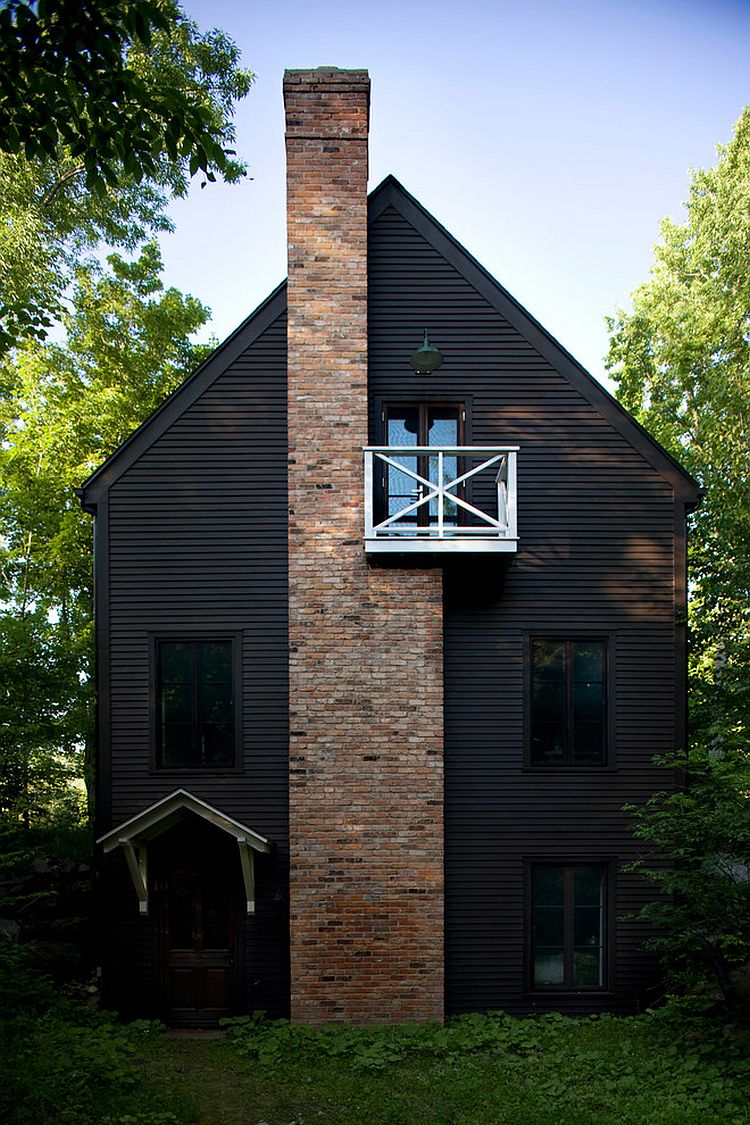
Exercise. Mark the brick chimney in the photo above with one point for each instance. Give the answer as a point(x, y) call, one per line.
point(365, 644)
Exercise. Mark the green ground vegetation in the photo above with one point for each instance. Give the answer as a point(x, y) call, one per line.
point(680, 1065)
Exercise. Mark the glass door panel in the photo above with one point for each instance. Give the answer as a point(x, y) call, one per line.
point(426, 425)
point(442, 425)
point(401, 490)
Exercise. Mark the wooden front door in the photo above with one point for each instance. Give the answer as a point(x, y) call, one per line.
point(198, 885)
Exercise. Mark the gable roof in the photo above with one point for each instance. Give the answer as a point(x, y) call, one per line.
point(390, 193)
point(182, 398)
point(163, 814)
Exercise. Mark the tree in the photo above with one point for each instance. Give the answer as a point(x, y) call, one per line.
point(703, 913)
point(681, 359)
point(106, 111)
point(93, 78)
point(67, 405)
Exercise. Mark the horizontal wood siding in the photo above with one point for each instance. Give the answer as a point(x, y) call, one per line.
point(197, 543)
point(596, 526)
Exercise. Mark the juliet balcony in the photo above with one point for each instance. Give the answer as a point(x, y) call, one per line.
point(440, 499)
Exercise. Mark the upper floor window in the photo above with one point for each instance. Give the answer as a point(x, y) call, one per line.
point(568, 705)
point(195, 703)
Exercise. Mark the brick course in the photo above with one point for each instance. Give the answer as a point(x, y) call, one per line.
point(365, 659)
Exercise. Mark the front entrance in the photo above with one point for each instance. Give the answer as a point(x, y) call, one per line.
point(197, 895)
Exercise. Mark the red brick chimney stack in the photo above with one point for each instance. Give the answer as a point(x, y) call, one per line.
point(365, 663)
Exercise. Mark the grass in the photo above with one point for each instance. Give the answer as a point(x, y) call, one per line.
point(672, 1067)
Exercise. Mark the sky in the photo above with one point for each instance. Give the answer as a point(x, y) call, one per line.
point(550, 138)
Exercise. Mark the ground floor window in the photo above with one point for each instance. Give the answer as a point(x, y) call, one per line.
point(568, 924)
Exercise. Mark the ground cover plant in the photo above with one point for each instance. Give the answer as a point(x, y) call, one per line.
point(63, 1063)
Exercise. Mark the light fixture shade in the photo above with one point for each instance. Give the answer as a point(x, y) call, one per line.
point(426, 358)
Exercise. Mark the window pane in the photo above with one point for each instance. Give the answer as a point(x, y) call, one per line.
point(549, 968)
point(403, 426)
point(588, 702)
point(548, 701)
point(217, 745)
point(588, 884)
point(547, 722)
point(587, 967)
point(587, 925)
point(174, 662)
point(175, 703)
point(547, 743)
point(547, 658)
point(215, 661)
point(589, 744)
point(549, 886)
point(216, 703)
point(442, 425)
point(588, 660)
point(177, 747)
point(549, 925)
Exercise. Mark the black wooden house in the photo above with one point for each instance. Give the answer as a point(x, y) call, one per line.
point(552, 528)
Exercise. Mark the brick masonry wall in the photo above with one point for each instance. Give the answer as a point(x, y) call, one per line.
point(365, 663)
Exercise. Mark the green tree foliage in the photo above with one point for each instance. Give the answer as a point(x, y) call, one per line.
point(116, 84)
point(681, 359)
point(106, 110)
point(703, 917)
point(67, 405)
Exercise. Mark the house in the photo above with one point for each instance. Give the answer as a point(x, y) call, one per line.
point(390, 612)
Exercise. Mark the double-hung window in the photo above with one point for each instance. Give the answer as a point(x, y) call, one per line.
point(195, 703)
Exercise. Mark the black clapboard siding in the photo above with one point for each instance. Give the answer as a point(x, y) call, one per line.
point(197, 542)
point(596, 554)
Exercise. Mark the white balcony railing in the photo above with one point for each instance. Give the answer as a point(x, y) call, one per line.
point(440, 499)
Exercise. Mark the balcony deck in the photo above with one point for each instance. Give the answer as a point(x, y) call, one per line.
point(440, 499)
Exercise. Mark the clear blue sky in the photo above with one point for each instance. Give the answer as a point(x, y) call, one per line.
point(549, 137)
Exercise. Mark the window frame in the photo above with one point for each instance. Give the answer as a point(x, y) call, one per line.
point(573, 637)
point(607, 865)
point(222, 636)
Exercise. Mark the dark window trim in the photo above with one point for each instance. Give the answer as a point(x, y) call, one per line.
point(609, 945)
point(418, 397)
point(548, 768)
point(235, 638)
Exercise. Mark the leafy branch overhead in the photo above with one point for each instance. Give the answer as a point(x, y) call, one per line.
point(106, 111)
point(117, 85)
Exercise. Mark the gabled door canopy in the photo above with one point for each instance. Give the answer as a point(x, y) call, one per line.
point(134, 835)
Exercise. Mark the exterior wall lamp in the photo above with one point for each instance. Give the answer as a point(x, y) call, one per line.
point(426, 358)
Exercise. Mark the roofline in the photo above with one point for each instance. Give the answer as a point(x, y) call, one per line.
point(390, 192)
point(181, 799)
point(182, 397)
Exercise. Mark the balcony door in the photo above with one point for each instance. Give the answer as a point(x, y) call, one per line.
point(426, 425)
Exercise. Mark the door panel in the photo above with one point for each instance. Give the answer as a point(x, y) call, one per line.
point(198, 895)
point(420, 424)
